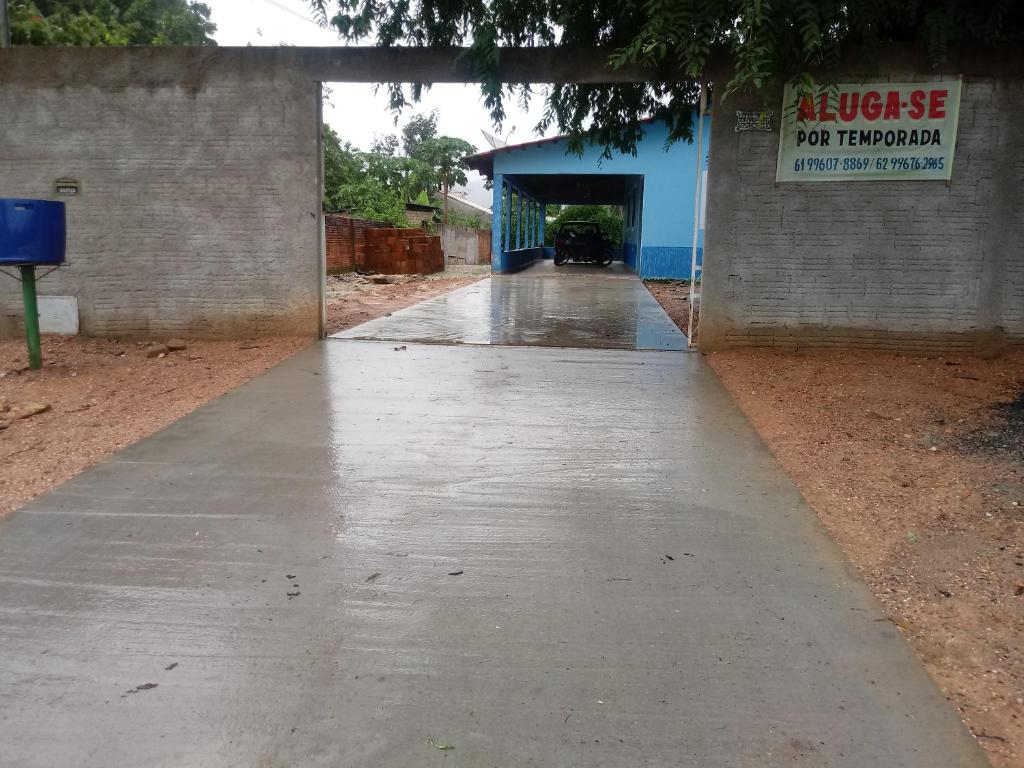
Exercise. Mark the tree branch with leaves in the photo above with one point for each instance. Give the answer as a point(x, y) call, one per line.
point(765, 41)
point(110, 22)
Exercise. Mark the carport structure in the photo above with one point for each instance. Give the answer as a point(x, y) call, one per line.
point(655, 189)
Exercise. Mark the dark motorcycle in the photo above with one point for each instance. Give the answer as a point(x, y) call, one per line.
point(582, 242)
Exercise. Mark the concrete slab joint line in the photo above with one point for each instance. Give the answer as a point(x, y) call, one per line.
point(572, 565)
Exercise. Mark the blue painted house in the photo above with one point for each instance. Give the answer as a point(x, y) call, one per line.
point(654, 188)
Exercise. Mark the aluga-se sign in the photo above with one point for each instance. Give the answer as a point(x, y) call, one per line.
point(874, 132)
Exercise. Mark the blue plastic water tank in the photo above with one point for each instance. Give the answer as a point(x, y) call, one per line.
point(31, 232)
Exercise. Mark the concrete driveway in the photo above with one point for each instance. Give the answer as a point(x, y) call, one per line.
point(452, 556)
point(575, 305)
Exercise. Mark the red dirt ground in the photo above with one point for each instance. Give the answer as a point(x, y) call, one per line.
point(916, 467)
point(104, 395)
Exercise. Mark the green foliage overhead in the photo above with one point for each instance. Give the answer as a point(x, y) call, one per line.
point(608, 217)
point(110, 22)
point(764, 40)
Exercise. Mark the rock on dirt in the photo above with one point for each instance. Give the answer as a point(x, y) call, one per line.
point(156, 350)
point(176, 345)
point(28, 410)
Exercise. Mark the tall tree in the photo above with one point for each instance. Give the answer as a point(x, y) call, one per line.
point(765, 39)
point(385, 145)
point(444, 156)
point(408, 176)
point(341, 166)
point(419, 129)
point(110, 22)
point(377, 184)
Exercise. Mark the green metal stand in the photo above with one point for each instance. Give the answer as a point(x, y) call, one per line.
point(28, 295)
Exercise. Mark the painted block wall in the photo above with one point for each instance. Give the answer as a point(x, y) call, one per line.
point(517, 234)
point(896, 265)
point(669, 182)
point(199, 203)
point(632, 225)
point(518, 259)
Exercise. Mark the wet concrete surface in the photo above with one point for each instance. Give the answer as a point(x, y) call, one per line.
point(539, 557)
point(570, 306)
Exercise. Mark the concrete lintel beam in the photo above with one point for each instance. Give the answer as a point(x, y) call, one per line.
point(189, 67)
point(343, 64)
point(440, 65)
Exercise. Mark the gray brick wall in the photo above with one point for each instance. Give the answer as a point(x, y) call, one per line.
point(899, 265)
point(200, 194)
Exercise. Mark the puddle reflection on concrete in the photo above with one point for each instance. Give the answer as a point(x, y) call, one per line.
point(539, 307)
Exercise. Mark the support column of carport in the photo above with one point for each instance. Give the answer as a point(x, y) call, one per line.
point(514, 247)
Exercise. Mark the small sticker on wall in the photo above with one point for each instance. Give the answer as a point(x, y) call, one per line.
point(67, 186)
point(754, 121)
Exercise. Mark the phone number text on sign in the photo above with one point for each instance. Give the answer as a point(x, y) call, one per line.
point(886, 131)
point(888, 165)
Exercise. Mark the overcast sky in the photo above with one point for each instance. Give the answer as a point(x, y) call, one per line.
point(355, 111)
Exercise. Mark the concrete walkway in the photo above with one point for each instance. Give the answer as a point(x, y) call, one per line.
point(574, 305)
point(538, 557)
